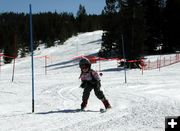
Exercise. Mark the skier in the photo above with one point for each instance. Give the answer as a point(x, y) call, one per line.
point(90, 80)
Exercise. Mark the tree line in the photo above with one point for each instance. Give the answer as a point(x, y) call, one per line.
point(145, 27)
point(49, 28)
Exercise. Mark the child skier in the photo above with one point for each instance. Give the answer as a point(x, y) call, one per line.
point(90, 80)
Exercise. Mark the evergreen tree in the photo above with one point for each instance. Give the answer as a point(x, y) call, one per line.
point(123, 18)
point(133, 29)
point(9, 50)
point(48, 27)
point(81, 19)
point(110, 26)
point(171, 27)
point(153, 22)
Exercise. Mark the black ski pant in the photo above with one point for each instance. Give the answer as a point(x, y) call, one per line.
point(87, 90)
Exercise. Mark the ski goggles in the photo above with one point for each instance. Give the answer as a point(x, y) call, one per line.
point(85, 66)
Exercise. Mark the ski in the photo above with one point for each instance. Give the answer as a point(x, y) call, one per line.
point(102, 110)
point(80, 110)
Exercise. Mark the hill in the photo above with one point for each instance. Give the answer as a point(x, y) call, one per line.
point(140, 104)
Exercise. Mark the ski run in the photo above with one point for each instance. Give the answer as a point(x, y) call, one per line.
point(141, 104)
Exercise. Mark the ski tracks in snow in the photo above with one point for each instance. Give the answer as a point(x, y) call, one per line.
point(68, 95)
point(145, 110)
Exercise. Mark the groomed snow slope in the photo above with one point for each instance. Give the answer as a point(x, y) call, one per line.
point(142, 104)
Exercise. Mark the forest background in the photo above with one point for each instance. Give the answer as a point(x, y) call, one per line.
point(144, 26)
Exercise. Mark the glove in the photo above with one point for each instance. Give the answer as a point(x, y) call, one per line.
point(83, 84)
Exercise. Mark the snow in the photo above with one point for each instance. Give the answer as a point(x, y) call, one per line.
point(140, 104)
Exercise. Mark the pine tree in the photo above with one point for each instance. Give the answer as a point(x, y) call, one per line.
point(110, 26)
point(127, 18)
point(133, 29)
point(47, 28)
point(153, 22)
point(81, 19)
point(172, 27)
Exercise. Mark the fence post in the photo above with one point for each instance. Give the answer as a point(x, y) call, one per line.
point(148, 64)
point(13, 69)
point(45, 65)
point(170, 59)
point(160, 63)
point(124, 57)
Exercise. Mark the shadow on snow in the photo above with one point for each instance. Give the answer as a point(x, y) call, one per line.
point(65, 111)
point(113, 69)
point(95, 41)
point(68, 63)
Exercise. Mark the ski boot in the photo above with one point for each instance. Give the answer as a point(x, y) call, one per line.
point(106, 104)
point(83, 105)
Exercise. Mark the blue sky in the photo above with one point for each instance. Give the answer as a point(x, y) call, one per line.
point(92, 6)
